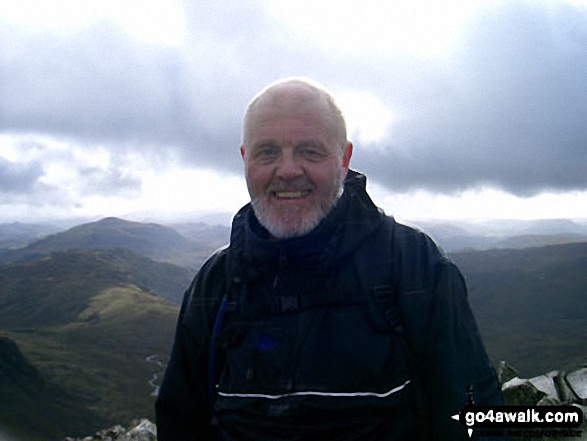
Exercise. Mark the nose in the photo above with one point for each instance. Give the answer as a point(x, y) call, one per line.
point(288, 167)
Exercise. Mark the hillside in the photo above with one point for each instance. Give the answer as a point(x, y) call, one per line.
point(86, 321)
point(41, 292)
point(150, 240)
point(531, 304)
point(49, 408)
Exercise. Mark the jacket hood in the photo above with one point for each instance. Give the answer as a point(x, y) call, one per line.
point(351, 220)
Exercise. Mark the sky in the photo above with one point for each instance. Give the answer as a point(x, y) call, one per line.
point(460, 109)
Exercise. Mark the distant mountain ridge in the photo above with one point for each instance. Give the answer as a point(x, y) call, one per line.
point(190, 243)
point(154, 241)
point(86, 307)
point(485, 235)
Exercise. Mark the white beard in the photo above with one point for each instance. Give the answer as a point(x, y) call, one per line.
point(288, 224)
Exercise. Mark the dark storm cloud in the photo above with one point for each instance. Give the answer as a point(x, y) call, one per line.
point(97, 84)
point(100, 86)
point(505, 109)
point(508, 111)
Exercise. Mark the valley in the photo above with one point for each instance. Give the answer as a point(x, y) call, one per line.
point(87, 316)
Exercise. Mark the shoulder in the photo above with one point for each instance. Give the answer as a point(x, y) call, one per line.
point(417, 257)
point(205, 292)
point(412, 243)
point(212, 271)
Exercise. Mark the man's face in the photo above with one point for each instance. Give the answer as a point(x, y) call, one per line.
point(294, 168)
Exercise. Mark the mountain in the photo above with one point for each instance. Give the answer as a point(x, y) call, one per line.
point(86, 321)
point(150, 240)
point(41, 291)
point(531, 304)
point(87, 308)
point(485, 235)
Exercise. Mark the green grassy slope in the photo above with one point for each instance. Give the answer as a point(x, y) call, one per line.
point(101, 358)
point(55, 288)
point(86, 321)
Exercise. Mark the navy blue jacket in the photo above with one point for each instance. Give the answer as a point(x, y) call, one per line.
point(359, 330)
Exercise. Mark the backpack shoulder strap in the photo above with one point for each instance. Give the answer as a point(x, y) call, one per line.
point(212, 349)
point(377, 266)
point(228, 304)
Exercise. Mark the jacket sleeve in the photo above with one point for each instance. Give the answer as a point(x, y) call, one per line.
point(182, 408)
point(455, 354)
point(448, 351)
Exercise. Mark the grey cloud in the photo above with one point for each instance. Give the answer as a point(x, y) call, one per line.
point(506, 109)
point(20, 183)
point(18, 178)
point(508, 112)
point(101, 86)
point(98, 85)
point(110, 182)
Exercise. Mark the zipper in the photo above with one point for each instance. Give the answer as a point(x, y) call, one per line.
point(281, 263)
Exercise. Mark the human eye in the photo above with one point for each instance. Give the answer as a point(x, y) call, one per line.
point(312, 152)
point(266, 153)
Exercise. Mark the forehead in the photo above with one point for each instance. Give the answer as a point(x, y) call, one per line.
point(290, 111)
point(288, 125)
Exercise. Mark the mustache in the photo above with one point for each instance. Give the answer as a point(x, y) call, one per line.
point(298, 184)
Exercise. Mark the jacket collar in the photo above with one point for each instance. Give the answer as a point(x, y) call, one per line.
point(351, 220)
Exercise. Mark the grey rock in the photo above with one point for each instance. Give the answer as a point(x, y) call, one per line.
point(552, 389)
point(577, 380)
point(505, 372)
point(518, 392)
point(143, 430)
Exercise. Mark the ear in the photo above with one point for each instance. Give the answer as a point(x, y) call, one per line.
point(346, 155)
point(243, 152)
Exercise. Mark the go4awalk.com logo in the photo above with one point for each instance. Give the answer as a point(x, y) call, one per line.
point(542, 418)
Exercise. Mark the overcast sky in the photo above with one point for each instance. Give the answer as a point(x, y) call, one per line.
point(457, 109)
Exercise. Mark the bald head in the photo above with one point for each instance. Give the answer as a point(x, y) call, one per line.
point(300, 96)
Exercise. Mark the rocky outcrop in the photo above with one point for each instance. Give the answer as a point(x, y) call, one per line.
point(555, 388)
point(143, 430)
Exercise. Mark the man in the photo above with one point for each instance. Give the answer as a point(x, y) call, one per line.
point(323, 319)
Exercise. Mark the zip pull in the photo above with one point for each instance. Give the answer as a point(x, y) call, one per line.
point(281, 263)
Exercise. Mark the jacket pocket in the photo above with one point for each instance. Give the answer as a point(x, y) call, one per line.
point(253, 359)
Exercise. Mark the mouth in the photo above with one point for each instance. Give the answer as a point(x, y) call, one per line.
point(290, 194)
